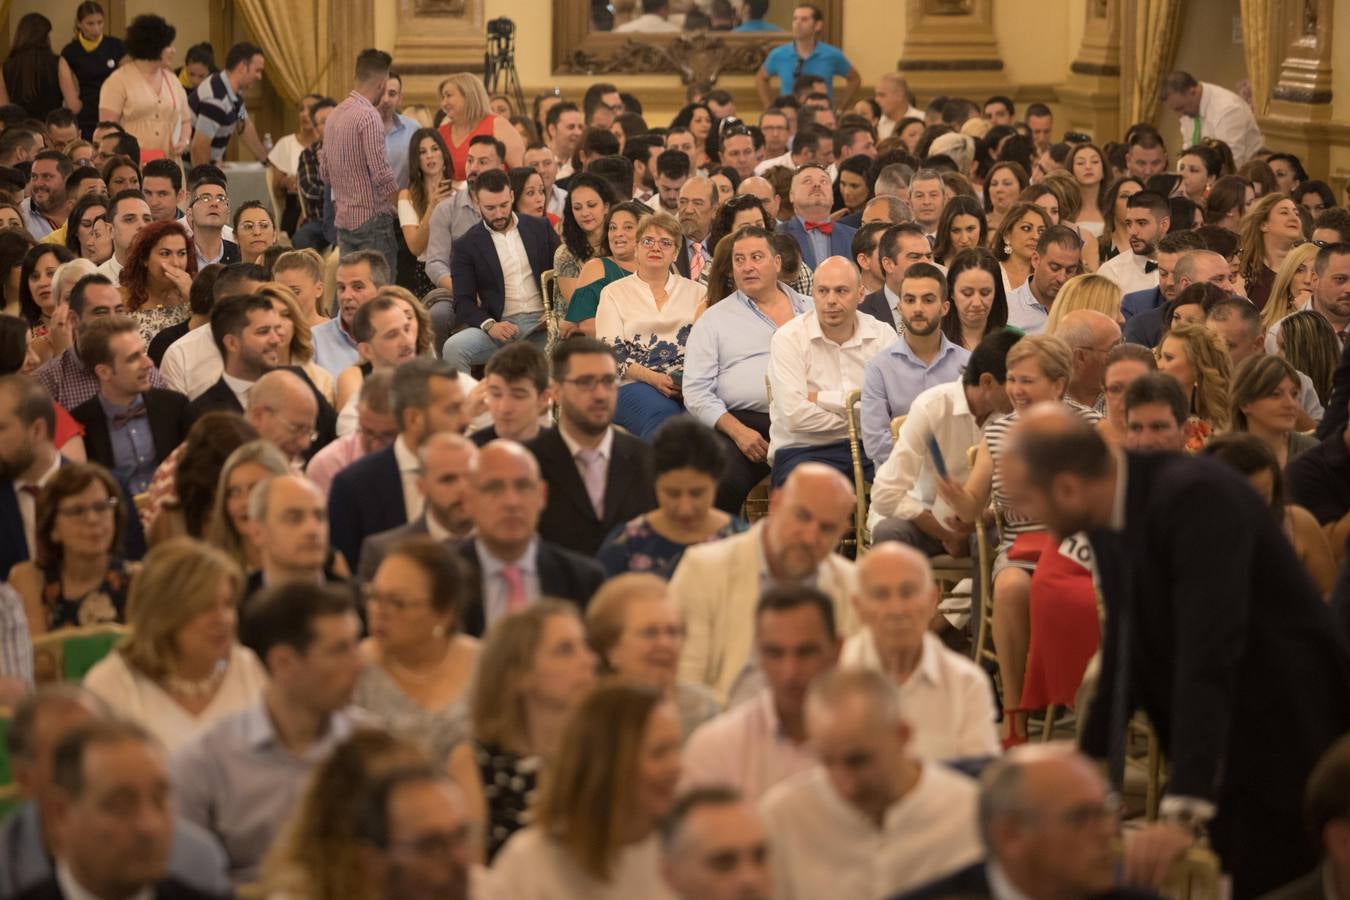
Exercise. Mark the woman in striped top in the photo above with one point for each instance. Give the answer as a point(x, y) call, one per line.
point(1038, 371)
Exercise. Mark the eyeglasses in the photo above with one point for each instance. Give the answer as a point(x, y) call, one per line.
point(98, 508)
point(254, 227)
point(591, 382)
point(212, 200)
point(663, 243)
point(395, 603)
point(296, 429)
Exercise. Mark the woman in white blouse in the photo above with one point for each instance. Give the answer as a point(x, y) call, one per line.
point(595, 828)
point(181, 668)
point(646, 318)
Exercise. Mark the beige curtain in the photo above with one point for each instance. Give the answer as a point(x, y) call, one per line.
point(1256, 38)
point(295, 36)
point(1155, 27)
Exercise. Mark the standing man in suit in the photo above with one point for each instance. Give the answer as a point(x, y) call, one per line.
point(597, 477)
point(496, 268)
point(697, 207)
point(447, 459)
point(102, 769)
point(512, 565)
point(129, 427)
point(379, 492)
point(1211, 622)
point(900, 247)
point(27, 459)
point(816, 234)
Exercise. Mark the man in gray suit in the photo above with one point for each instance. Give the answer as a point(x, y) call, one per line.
point(447, 459)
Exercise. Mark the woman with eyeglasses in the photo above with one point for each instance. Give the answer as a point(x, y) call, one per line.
point(646, 318)
point(254, 230)
point(76, 577)
point(617, 259)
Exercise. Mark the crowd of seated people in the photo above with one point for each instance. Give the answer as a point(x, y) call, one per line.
point(548, 503)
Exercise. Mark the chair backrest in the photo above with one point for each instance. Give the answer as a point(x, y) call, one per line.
point(896, 424)
point(68, 654)
point(548, 282)
point(853, 403)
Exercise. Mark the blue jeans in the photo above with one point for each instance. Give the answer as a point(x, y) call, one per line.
point(834, 455)
point(376, 233)
point(642, 408)
point(309, 236)
point(470, 347)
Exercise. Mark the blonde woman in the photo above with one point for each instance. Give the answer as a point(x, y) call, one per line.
point(1292, 288)
point(1197, 359)
point(1039, 367)
point(1264, 403)
point(302, 272)
point(182, 667)
point(634, 627)
point(245, 467)
point(1095, 292)
point(1268, 232)
point(467, 115)
point(594, 832)
point(1309, 342)
point(297, 346)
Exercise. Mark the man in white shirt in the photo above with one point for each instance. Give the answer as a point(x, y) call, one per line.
point(360, 275)
point(810, 144)
point(713, 847)
point(945, 697)
point(904, 499)
point(896, 102)
point(1207, 110)
point(871, 818)
point(129, 213)
point(1057, 258)
point(815, 360)
point(1090, 335)
point(1147, 219)
point(563, 128)
point(761, 741)
point(247, 333)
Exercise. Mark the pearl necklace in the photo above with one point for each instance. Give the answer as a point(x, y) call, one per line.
point(199, 689)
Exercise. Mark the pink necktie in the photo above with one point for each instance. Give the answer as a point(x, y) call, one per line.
point(593, 474)
point(516, 600)
point(695, 260)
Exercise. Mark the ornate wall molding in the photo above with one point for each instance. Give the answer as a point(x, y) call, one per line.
point(699, 58)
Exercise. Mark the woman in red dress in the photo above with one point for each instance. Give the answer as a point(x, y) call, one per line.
point(465, 103)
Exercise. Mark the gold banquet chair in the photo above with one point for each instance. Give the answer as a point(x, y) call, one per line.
point(548, 282)
point(862, 537)
point(982, 650)
point(67, 654)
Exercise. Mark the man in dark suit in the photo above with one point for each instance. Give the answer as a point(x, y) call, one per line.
point(597, 477)
point(900, 247)
point(1048, 822)
point(1170, 248)
point(100, 770)
point(1192, 267)
point(1212, 622)
point(443, 482)
point(512, 565)
point(1326, 805)
point(379, 491)
point(129, 427)
point(27, 459)
point(288, 523)
point(496, 267)
point(811, 227)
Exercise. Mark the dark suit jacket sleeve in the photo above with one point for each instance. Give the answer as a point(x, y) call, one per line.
point(875, 305)
point(344, 517)
point(464, 276)
point(1314, 486)
point(97, 442)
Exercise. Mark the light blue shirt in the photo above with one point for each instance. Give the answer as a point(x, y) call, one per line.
point(396, 141)
point(334, 348)
point(449, 221)
point(825, 60)
point(819, 241)
point(726, 357)
point(1025, 312)
point(133, 447)
point(893, 379)
point(494, 582)
point(238, 780)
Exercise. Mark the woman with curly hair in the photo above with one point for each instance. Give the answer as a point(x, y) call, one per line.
point(1292, 287)
point(1309, 342)
point(143, 96)
point(157, 277)
point(1196, 358)
point(588, 201)
point(1269, 230)
point(962, 227)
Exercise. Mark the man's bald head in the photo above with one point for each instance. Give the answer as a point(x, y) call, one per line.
point(893, 559)
point(1087, 328)
point(819, 481)
point(443, 443)
point(897, 597)
point(758, 187)
point(807, 517)
point(280, 387)
point(839, 268)
point(501, 455)
point(1201, 266)
point(283, 408)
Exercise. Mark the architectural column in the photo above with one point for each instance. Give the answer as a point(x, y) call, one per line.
point(435, 38)
point(1298, 117)
point(950, 48)
point(1091, 94)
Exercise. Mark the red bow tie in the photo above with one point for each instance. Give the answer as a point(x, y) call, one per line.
point(822, 227)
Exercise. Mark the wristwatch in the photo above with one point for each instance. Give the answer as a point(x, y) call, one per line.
point(487, 325)
point(1190, 821)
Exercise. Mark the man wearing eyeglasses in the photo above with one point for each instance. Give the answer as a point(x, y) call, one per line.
point(209, 211)
point(806, 54)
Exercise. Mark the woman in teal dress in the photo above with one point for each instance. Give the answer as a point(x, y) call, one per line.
point(688, 462)
point(617, 259)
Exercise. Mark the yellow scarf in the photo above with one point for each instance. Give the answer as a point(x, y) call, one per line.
point(89, 46)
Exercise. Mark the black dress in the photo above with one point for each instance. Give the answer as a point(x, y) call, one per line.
point(91, 68)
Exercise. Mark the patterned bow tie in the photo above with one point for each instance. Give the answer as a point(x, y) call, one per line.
point(823, 227)
point(123, 419)
point(1150, 267)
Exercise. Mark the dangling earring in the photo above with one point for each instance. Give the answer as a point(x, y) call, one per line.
point(1007, 249)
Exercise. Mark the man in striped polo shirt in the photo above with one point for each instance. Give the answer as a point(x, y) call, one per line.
point(220, 107)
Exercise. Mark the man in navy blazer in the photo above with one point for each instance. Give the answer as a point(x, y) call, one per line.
point(900, 247)
point(496, 268)
point(818, 237)
point(379, 491)
point(27, 460)
point(1170, 248)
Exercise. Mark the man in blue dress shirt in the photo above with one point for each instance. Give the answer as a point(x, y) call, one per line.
point(806, 55)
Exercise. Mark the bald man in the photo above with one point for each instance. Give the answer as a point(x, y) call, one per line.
point(1048, 820)
point(815, 360)
point(870, 817)
point(1091, 335)
point(896, 102)
point(512, 566)
point(1193, 267)
point(946, 698)
point(718, 584)
point(812, 196)
point(288, 523)
point(1192, 567)
point(283, 407)
point(443, 481)
point(758, 186)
